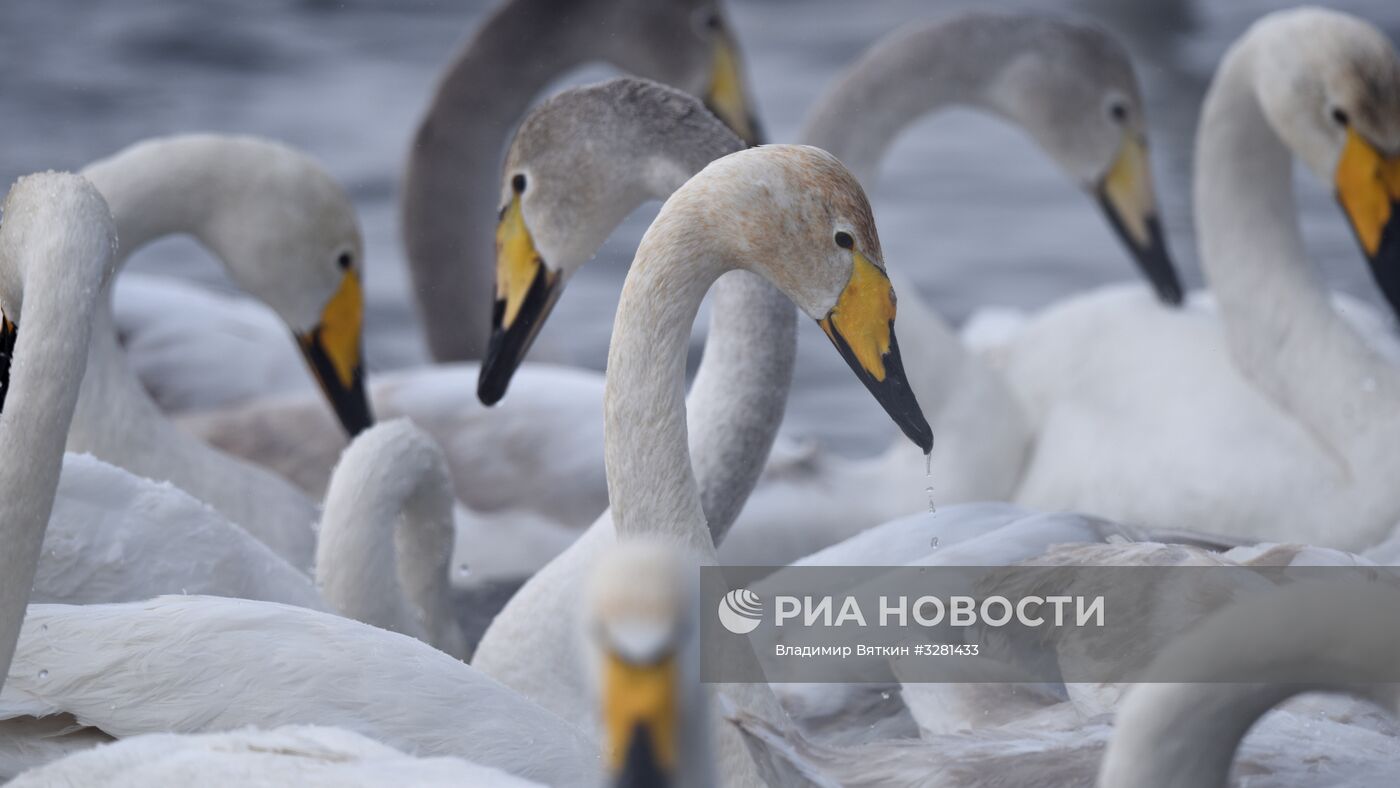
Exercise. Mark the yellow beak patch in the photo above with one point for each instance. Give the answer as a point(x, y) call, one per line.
point(1128, 190)
point(641, 696)
point(725, 96)
point(1368, 187)
point(340, 328)
point(517, 261)
point(863, 316)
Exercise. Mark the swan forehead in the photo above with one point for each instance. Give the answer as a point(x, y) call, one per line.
point(51, 219)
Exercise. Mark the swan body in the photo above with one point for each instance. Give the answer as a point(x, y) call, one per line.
point(293, 755)
point(303, 263)
point(383, 555)
point(189, 664)
point(1268, 418)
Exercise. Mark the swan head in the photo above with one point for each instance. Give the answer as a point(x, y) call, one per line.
point(796, 216)
point(639, 624)
point(1329, 84)
point(47, 221)
point(289, 236)
point(1075, 92)
point(688, 44)
point(580, 163)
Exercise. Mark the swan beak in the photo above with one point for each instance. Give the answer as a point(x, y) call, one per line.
point(332, 350)
point(861, 326)
point(9, 332)
point(641, 720)
point(725, 96)
point(526, 291)
point(1368, 187)
point(1126, 196)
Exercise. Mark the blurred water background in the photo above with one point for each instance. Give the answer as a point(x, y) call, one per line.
point(966, 205)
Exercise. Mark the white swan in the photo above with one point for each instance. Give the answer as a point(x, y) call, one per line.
point(288, 235)
point(1270, 419)
point(451, 182)
point(1072, 88)
point(790, 213)
point(383, 554)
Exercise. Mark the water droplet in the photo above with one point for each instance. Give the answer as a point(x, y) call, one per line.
point(463, 570)
point(933, 543)
point(43, 674)
point(184, 592)
point(885, 695)
point(928, 487)
point(44, 627)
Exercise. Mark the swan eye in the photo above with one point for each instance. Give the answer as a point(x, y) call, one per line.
point(345, 261)
point(1118, 111)
point(1341, 117)
point(517, 183)
point(844, 240)
point(713, 22)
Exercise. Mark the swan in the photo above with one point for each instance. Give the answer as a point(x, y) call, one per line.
point(383, 554)
point(1265, 416)
point(541, 449)
point(791, 214)
point(451, 181)
point(1072, 88)
point(1189, 734)
point(303, 260)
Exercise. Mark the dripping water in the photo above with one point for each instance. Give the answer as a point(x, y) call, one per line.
point(928, 488)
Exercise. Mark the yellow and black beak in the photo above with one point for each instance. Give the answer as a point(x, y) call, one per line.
point(641, 719)
point(861, 326)
point(9, 334)
point(725, 94)
point(1126, 196)
point(1368, 187)
point(332, 350)
point(526, 291)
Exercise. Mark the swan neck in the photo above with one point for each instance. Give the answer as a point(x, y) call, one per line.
point(45, 375)
point(652, 486)
point(904, 77)
point(156, 190)
point(454, 167)
point(1282, 330)
point(385, 543)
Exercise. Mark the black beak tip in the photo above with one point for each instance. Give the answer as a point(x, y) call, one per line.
point(916, 428)
point(490, 385)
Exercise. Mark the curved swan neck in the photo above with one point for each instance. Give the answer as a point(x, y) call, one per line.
point(651, 483)
point(61, 289)
point(1282, 330)
point(908, 75)
point(164, 186)
point(448, 209)
point(901, 78)
point(386, 537)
